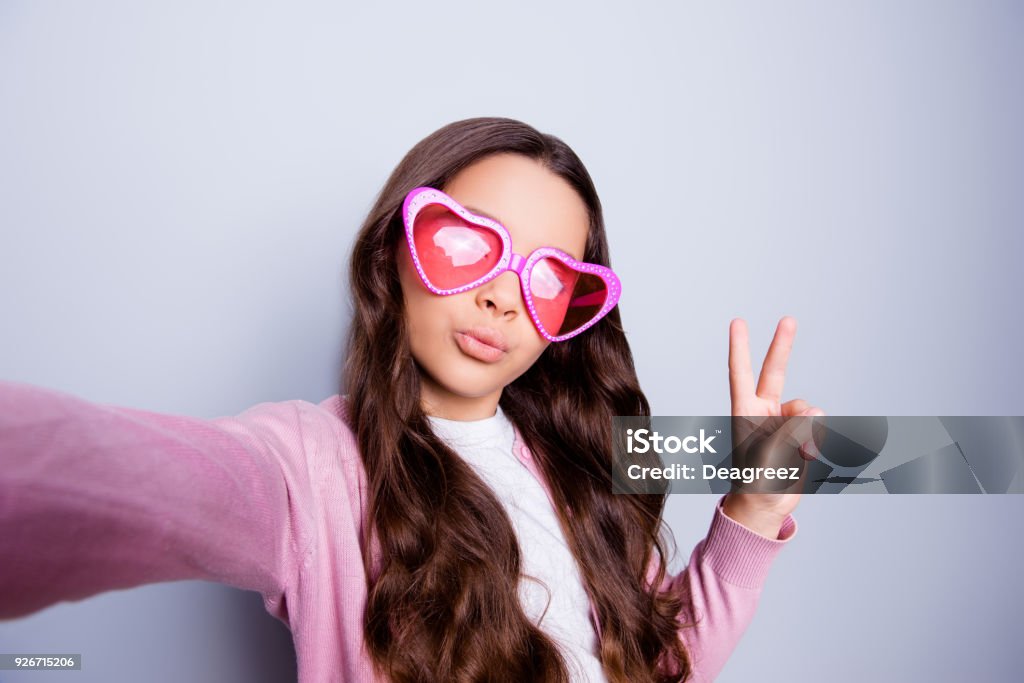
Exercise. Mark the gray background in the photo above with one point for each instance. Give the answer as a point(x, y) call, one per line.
point(180, 185)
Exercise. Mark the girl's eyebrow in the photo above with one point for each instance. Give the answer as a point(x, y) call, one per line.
point(478, 212)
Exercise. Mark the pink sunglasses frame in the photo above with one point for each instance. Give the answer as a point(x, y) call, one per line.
point(420, 197)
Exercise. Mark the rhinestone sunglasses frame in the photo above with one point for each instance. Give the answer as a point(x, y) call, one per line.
point(420, 197)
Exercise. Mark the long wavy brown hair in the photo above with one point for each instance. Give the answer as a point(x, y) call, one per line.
point(445, 606)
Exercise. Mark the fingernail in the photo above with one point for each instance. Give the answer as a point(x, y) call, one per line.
point(809, 451)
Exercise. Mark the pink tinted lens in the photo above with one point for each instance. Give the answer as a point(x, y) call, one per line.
point(564, 298)
point(452, 251)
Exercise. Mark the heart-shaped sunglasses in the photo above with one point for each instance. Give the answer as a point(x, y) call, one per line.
point(455, 250)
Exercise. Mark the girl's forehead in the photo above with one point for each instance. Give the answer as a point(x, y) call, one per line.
point(538, 207)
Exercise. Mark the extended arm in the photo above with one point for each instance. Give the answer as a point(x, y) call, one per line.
point(96, 497)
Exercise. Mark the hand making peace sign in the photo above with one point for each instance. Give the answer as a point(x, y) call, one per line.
point(772, 429)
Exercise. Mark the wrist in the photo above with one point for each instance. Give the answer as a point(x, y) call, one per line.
point(767, 523)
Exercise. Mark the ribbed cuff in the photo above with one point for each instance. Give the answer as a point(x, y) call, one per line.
point(740, 555)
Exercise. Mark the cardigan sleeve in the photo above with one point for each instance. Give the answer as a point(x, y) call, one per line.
point(725, 576)
point(96, 497)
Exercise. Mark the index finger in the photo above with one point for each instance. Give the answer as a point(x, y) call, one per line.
point(741, 377)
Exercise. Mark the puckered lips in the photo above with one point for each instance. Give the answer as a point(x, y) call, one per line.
point(482, 343)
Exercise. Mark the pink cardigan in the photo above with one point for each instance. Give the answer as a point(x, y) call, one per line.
point(95, 497)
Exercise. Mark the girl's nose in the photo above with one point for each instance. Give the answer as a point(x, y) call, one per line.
point(501, 295)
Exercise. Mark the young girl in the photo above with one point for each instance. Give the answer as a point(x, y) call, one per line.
point(448, 516)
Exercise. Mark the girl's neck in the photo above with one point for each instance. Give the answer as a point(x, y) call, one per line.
point(438, 402)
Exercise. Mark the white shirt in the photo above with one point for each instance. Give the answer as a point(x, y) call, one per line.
point(486, 445)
